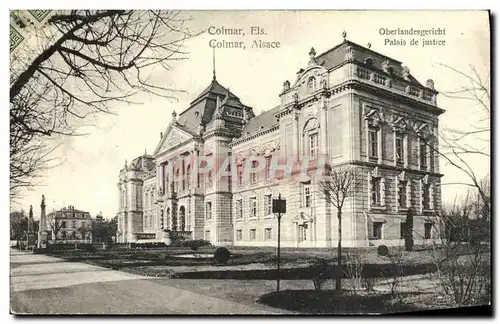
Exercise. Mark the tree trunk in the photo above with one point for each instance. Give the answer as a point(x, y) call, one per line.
point(338, 282)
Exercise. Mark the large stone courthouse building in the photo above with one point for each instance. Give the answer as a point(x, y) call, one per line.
point(352, 105)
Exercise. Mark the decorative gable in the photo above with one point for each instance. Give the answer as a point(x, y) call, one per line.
point(173, 137)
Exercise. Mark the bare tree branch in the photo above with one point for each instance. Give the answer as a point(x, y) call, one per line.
point(89, 59)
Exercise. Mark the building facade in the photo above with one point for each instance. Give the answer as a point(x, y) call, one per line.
point(349, 107)
point(69, 225)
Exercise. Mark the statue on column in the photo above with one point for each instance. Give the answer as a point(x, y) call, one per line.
point(30, 234)
point(42, 228)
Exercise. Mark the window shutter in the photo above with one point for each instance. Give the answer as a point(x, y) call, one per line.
point(382, 191)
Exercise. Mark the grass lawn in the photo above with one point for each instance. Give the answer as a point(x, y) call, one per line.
point(299, 296)
point(245, 263)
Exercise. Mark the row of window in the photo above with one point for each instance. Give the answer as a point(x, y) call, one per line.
point(377, 230)
point(377, 194)
point(268, 234)
point(65, 224)
point(400, 155)
point(268, 204)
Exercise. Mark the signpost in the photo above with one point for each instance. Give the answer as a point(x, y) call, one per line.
point(279, 207)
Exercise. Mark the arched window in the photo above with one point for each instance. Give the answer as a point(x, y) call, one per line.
point(311, 138)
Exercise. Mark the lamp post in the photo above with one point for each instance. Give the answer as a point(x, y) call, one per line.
point(279, 207)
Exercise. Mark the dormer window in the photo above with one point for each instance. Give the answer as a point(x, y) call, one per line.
point(369, 62)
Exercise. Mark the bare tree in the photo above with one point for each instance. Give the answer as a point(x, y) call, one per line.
point(458, 146)
point(85, 61)
point(461, 254)
point(84, 232)
point(56, 227)
point(336, 186)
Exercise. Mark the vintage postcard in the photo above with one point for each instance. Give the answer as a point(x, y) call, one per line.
point(249, 162)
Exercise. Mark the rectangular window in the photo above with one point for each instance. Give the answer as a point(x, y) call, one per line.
point(402, 195)
point(207, 236)
point(268, 205)
point(427, 230)
point(303, 232)
point(373, 142)
point(307, 196)
point(73, 224)
point(253, 234)
point(209, 210)
point(239, 235)
point(399, 148)
point(253, 206)
point(402, 230)
point(426, 196)
point(377, 230)
point(423, 154)
point(268, 233)
point(209, 179)
point(431, 158)
point(240, 175)
point(239, 208)
point(313, 145)
point(375, 191)
point(253, 175)
point(268, 167)
point(138, 198)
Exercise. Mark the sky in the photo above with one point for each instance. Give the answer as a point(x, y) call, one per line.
point(87, 173)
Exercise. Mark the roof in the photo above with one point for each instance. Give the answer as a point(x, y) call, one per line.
point(263, 120)
point(214, 88)
point(202, 108)
point(336, 56)
point(142, 163)
point(67, 210)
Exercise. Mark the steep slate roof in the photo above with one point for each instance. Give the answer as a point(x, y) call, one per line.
point(264, 120)
point(201, 109)
point(142, 163)
point(335, 56)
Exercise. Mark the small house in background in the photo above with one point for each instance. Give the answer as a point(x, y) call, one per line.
point(70, 225)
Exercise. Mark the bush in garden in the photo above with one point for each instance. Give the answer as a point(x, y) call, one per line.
point(221, 255)
point(318, 269)
point(382, 250)
point(196, 244)
point(353, 268)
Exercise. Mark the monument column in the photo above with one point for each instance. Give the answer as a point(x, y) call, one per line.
point(42, 229)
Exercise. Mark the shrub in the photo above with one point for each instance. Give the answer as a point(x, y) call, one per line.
point(354, 271)
point(318, 269)
point(221, 255)
point(195, 244)
point(382, 250)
